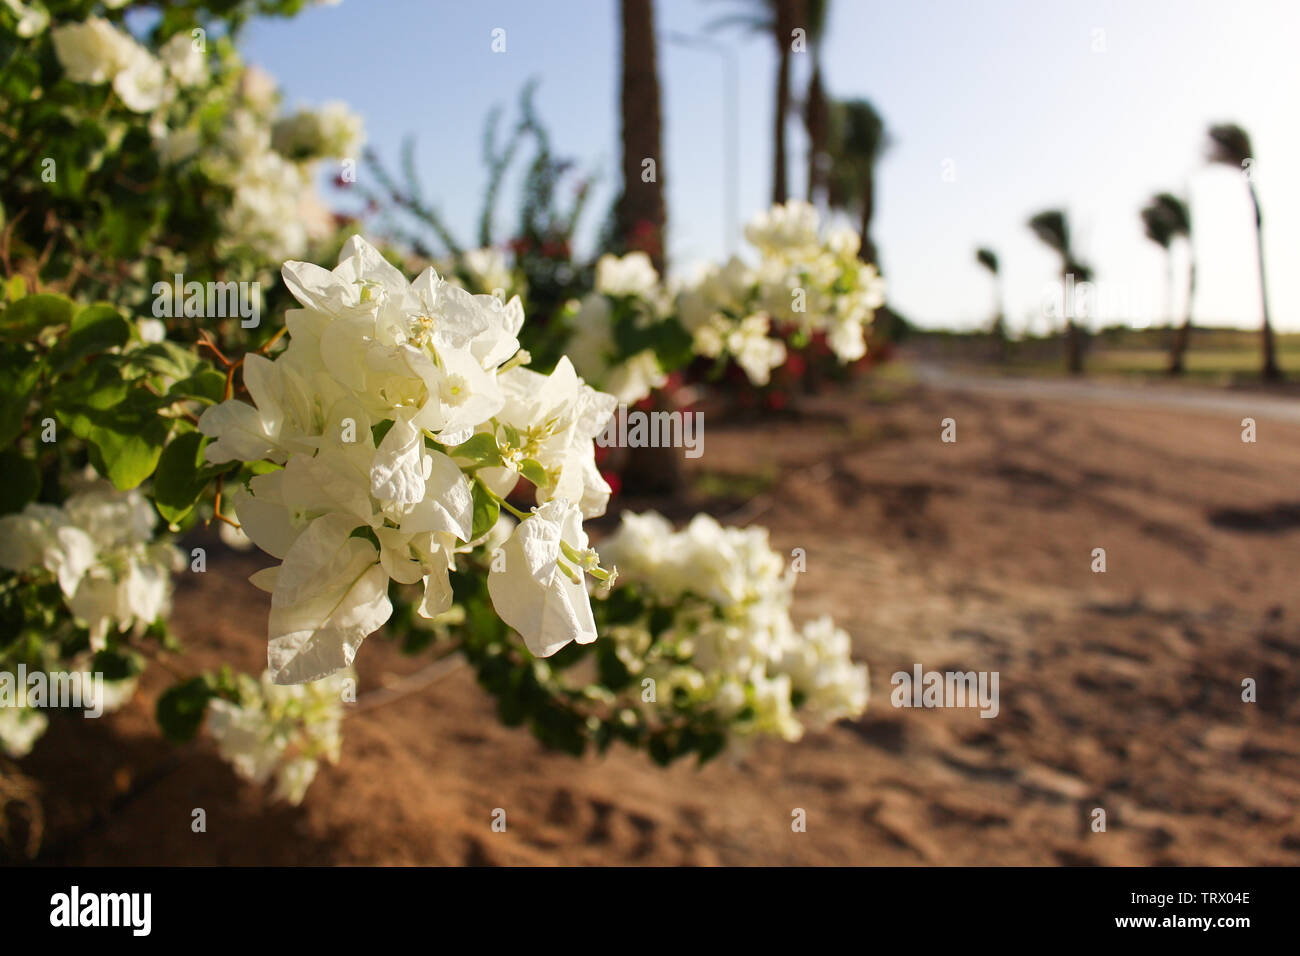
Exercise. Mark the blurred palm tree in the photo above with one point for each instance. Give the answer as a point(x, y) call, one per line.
point(1053, 230)
point(816, 107)
point(856, 141)
point(1165, 219)
point(641, 212)
point(1230, 145)
point(779, 19)
point(989, 260)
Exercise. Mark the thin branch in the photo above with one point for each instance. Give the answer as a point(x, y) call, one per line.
point(413, 683)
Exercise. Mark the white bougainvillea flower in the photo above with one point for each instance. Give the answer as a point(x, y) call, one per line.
point(330, 593)
point(142, 85)
point(99, 546)
point(784, 230)
point(244, 432)
point(460, 396)
point(382, 380)
point(402, 464)
point(32, 19)
point(93, 51)
point(448, 504)
point(559, 417)
point(20, 728)
point(487, 269)
point(42, 536)
point(753, 350)
point(635, 378)
point(632, 274)
point(280, 732)
point(539, 593)
point(729, 648)
point(186, 63)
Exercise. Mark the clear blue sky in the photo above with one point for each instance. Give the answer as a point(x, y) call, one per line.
point(995, 110)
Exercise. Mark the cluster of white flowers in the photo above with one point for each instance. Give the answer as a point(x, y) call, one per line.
point(30, 19)
point(804, 280)
point(487, 269)
point(731, 648)
point(95, 52)
point(20, 728)
point(332, 131)
point(398, 410)
point(281, 731)
point(100, 548)
point(270, 168)
point(268, 165)
point(592, 346)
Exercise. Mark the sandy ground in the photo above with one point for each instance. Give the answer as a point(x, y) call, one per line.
point(1119, 690)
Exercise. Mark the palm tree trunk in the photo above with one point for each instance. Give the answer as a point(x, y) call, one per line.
point(999, 321)
point(641, 209)
point(867, 248)
point(815, 118)
point(1073, 347)
point(1271, 372)
point(784, 28)
point(1185, 331)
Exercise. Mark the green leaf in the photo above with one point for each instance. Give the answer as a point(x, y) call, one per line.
point(20, 481)
point(673, 345)
point(32, 313)
point(481, 448)
point(96, 328)
point(122, 424)
point(181, 708)
point(180, 478)
point(20, 370)
point(534, 472)
point(206, 384)
point(486, 510)
point(164, 358)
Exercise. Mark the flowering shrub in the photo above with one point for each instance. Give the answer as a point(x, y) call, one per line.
point(268, 730)
point(370, 446)
point(99, 547)
point(705, 613)
point(631, 331)
point(130, 157)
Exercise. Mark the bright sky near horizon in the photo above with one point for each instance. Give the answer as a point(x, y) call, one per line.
point(995, 110)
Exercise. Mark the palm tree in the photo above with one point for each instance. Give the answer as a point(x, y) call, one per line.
point(1230, 145)
point(1053, 229)
point(1166, 219)
point(816, 108)
point(778, 18)
point(641, 213)
point(857, 139)
point(989, 260)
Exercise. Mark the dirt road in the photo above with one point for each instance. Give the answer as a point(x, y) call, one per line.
point(1119, 691)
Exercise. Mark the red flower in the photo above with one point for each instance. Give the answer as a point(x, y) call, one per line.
point(612, 479)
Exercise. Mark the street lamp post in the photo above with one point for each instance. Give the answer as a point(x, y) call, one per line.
point(731, 130)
